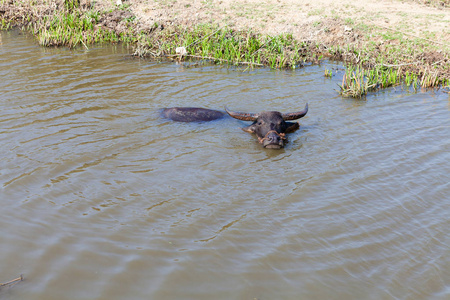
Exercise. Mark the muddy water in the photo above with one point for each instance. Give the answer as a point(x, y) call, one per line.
point(102, 199)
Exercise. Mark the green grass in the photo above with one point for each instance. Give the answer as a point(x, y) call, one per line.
point(72, 27)
point(5, 25)
point(71, 5)
point(225, 46)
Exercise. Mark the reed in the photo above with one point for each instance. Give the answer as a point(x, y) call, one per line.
point(12, 282)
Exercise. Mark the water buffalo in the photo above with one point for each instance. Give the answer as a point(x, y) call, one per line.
point(270, 126)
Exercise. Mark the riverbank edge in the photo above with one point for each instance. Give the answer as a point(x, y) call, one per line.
point(370, 66)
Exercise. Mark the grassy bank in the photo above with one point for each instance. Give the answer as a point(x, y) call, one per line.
point(68, 23)
point(222, 45)
point(412, 62)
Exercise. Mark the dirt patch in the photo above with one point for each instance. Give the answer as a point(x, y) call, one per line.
point(299, 17)
point(116, 20)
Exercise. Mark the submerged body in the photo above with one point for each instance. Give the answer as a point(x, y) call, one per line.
point(191, 114)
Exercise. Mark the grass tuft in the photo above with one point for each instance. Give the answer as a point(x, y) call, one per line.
point(354, 83)
point(357, 81)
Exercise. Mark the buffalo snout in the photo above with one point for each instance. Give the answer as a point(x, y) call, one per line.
point(273, 140)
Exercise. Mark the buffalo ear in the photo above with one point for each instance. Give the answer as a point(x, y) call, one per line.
point(250, 129)
point(292, 126)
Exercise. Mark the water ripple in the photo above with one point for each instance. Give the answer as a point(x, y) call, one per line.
point(103, 199)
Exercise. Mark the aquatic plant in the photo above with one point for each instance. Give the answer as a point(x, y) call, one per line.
point(354, 84)
point(357, 81)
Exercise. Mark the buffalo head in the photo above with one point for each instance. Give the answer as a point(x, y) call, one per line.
point(270, 126)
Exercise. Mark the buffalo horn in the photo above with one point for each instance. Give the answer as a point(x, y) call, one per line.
point(295, 115)
point(242, 116)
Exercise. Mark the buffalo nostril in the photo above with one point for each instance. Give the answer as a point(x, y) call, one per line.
point(273, 138)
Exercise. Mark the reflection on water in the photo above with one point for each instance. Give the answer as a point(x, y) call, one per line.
point(102, 199)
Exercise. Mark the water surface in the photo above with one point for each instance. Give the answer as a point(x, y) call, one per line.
point(103, 199)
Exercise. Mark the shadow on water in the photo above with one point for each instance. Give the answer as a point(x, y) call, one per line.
point(103, 199)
